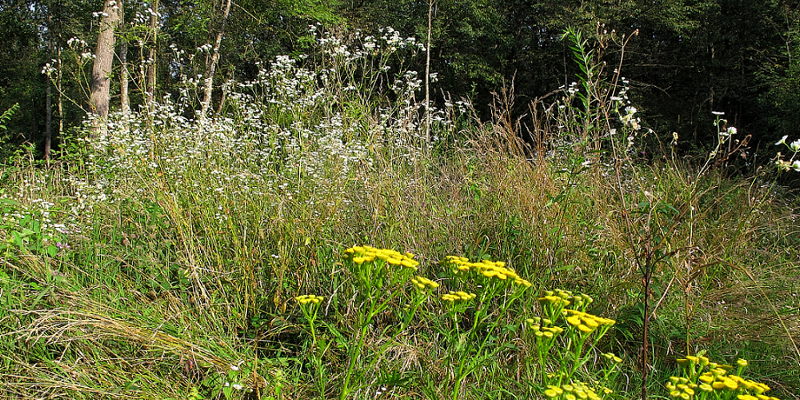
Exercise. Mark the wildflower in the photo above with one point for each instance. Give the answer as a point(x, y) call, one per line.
point(586, 322)
point(576, 390)
point(718, 113)
point(557, 390)
point(309, 298)
point(782, 141)
point(458, 296)
point(523, 282)
point(486, 268)
point(729, 132)
point(585, 329)
point(554, 300)
point(795, 145)
point(724, 383)
point(550, 393)
point(424, 283)
point(741, 362)
point(362, 254)
point(539, 328)
point(612, 357)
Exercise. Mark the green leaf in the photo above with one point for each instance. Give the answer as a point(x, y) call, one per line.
point(51, 250)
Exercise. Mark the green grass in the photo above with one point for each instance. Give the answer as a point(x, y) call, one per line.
point(182, 249)
point(156, 297)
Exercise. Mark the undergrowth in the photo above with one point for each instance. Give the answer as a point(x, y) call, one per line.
point(182, 258)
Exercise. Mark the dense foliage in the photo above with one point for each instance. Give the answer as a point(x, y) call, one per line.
point(298, 222)
point(690, 57)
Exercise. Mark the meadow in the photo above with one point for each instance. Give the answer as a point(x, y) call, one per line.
point(327, 235)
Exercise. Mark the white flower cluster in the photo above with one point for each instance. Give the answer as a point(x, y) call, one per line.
point(792, 162)
point(303, 124)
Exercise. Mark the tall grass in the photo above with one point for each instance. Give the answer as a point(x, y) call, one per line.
point(163, 259)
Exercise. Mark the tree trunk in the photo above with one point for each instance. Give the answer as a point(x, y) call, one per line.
point(224, 95)
point(211, 66)
point(48, 128)
point(104, 60)
point(150, 85)
point(60, 97)
point(125, 102)
point(428, 75)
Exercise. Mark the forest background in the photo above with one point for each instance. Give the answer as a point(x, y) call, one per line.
point(690, 57)
point(184, 186)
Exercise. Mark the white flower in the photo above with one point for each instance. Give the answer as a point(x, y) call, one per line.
point(718, 113)
point(732, 131)
point(782, 141)
point(238, 386)
point(795, 146)
point(48, 69)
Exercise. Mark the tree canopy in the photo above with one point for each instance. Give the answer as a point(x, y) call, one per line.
point(691, 57)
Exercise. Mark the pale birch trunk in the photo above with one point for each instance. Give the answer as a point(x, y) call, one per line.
point(211, 66)
point(103, 62)
point(60, 97)
point(48, 129)
point(428, 76)
point(124, 76)
point(150, 82)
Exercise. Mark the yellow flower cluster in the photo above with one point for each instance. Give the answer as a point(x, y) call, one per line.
point(612, 357)
point(756, 397)
point(458, 296)
point(424, 283)
point(715, 378)
point(362, 254)
point(698, 360)
point(487, 268)
point(542, 327)
point(718, 379)
point(682, 388)
point(574, 391)
point(309, 298)
point(586, 322)
point(563, 298)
